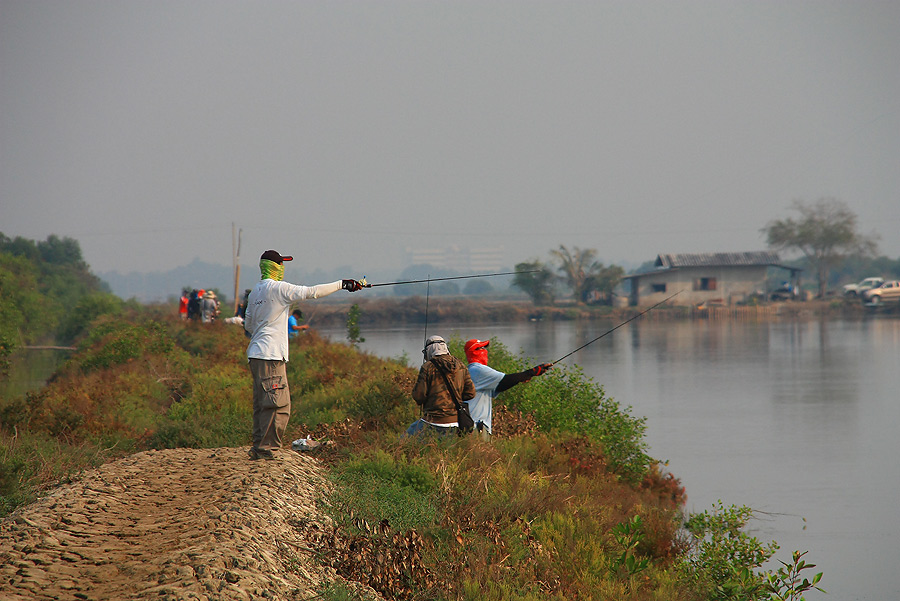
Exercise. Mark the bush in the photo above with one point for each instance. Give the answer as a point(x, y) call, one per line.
point(113, 342)
point(722, 557)
point(86, 311)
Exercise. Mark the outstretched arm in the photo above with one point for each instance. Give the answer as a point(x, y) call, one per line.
point(510, 380)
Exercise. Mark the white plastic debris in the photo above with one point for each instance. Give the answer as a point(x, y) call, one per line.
point(305, 444)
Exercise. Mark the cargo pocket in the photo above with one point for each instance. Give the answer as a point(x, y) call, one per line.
point(275, 392)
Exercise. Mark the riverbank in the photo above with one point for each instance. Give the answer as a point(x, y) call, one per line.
point(118, 420)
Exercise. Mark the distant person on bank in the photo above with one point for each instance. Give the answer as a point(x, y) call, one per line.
point(294, 325)
point(242, 307)
point(431, 392)
point(193, 308)
point(183, 304)
point(265, 322)
point(209, 307)
point(489, 383)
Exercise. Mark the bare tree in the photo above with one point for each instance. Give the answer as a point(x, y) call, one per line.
point(580, 270)
point(826, 233)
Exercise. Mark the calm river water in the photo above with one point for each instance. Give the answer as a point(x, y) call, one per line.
point(795, 419)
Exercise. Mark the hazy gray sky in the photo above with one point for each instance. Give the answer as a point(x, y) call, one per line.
point(344, 132)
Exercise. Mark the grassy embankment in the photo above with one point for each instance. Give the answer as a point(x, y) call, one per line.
point(563, 504)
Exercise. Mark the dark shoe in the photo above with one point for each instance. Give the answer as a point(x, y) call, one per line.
point(255, 454)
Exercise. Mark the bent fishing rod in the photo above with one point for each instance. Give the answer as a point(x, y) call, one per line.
point(366, 284)
point(610, 331)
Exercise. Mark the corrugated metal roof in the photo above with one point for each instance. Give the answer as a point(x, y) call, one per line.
point(744, 259)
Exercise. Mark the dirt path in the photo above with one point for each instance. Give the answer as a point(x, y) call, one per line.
point(170, 525)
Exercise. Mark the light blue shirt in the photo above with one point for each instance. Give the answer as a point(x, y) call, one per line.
point(486, 380)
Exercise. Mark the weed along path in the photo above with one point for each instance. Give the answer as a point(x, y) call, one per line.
point(173, 524)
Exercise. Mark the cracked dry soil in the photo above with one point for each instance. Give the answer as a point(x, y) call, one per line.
point(170, 525)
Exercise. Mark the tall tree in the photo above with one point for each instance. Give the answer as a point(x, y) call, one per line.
point(825, 232)
point(535, 279)
point(579, 269)
point(574, 266)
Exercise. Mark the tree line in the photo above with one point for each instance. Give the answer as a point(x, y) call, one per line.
point(587, 278)
point(48, 292)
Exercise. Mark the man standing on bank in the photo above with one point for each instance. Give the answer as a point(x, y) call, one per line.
point(489, 383)
point(265, 321)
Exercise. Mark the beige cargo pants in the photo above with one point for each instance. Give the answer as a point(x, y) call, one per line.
point(271, 403)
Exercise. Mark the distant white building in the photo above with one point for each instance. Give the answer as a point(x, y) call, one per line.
point(461, 259)
point(717, 278)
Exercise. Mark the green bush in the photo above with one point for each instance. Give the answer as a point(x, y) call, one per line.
point(722, 556)
point(114, 342)
point(87, 309)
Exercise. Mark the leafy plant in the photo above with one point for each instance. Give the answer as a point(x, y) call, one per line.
point(722, 555)
point(628, 536)
point(786, 584)
point(353, 331)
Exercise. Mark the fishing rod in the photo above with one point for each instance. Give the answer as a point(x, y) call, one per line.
point(366, 284)
point(647, 310)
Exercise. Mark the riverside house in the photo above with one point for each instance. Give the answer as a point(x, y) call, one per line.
point(708, 278)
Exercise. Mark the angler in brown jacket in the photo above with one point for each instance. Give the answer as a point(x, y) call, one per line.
point(430, 390)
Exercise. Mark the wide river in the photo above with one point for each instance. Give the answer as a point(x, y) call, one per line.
point(796, 419)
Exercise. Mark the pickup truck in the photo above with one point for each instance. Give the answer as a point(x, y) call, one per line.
point(855, 290)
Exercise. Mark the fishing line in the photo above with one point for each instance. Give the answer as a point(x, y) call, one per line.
point(427, 291)
point(457, 277)
point(647, 310)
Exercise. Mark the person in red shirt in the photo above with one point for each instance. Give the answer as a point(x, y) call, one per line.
point(182, 304)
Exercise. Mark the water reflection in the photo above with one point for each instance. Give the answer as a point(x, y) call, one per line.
point(811, 366)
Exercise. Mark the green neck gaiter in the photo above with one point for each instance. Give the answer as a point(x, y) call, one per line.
point(271, 270)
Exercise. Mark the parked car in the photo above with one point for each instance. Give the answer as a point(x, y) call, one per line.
point(889, 292)
point(854, 290)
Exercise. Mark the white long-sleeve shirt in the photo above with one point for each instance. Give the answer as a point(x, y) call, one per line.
point(268, 308)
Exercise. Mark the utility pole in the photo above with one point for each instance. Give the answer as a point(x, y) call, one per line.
point(236, 263)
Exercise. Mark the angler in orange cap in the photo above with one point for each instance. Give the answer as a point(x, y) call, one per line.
point(265, 322)
point(489, 383)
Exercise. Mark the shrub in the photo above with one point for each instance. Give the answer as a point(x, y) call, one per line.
point(86, 311)
point(722, 557)
point(113, 342)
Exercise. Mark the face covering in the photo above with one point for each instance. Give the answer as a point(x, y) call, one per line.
point(435, 346)
point(271, 270)
point(476, 351)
